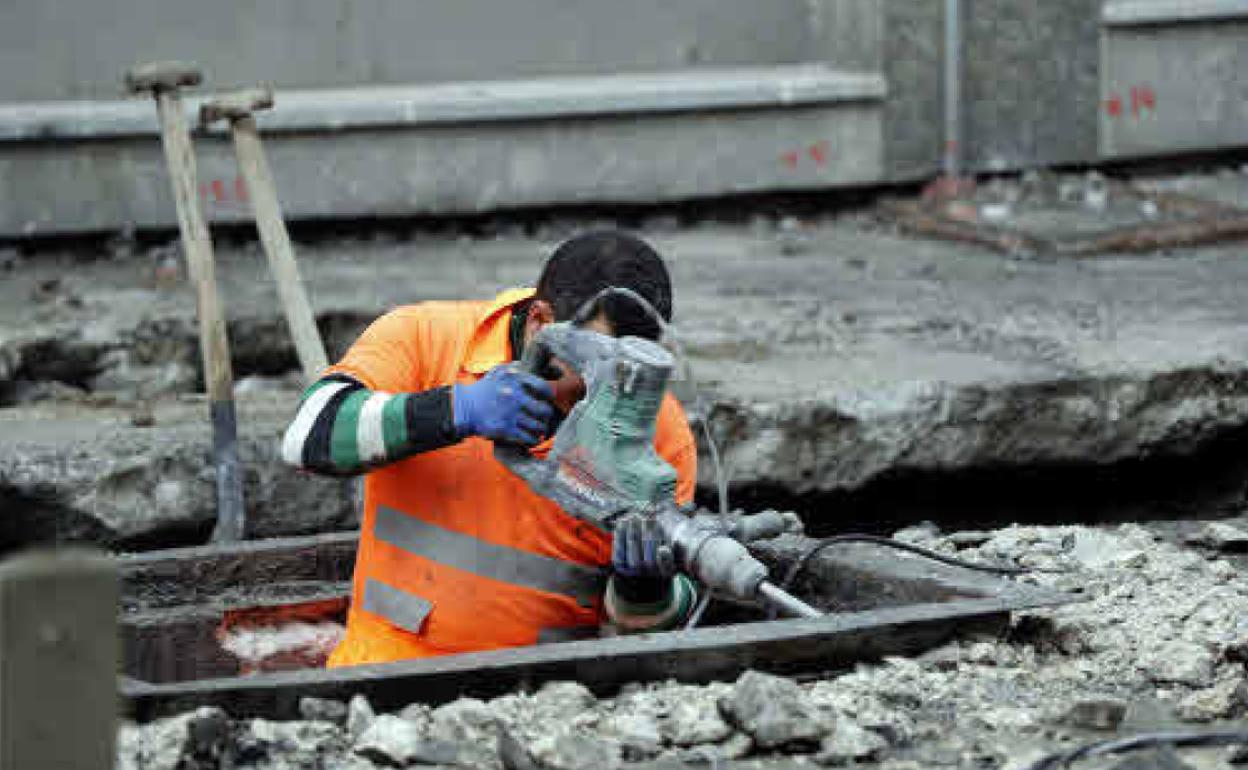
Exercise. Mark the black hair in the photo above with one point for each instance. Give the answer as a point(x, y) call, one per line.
point(586, 264)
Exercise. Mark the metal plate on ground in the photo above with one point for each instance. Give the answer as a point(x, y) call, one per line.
point(1046, 216)
point(896, 605)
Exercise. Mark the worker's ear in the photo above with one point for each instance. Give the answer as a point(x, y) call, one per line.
point(540, 313)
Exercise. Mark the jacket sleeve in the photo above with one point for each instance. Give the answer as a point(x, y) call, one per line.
point(376, 406)
point(343, 428)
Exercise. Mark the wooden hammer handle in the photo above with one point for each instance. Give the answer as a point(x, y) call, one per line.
point(213, 342)
point(277, 246)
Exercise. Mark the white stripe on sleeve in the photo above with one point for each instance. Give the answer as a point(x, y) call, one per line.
point(297, 434)
point(370, 435)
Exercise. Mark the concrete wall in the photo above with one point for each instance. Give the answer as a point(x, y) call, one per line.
point(77, 49)
point(651, 100)
point(1031, 82)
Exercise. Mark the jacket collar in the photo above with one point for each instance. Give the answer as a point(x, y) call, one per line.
point(491, 343)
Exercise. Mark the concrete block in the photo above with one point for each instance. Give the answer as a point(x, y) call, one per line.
point(58, 661)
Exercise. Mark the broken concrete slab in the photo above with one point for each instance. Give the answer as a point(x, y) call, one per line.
point(865, 357)
point(73, 475)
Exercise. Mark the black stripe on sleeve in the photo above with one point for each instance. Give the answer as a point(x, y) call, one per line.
point(316, 448)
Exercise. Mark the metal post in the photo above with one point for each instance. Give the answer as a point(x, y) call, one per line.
point(952, 161)
point(58, 661)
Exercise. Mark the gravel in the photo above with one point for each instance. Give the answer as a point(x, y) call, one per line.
point(1158, 643)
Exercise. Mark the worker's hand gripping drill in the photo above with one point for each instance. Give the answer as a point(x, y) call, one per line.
point(640, 548)
point(508, 404)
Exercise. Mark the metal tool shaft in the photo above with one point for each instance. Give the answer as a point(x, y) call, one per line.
point(786, 602)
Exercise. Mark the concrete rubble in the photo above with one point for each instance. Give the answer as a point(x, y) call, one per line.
point(1159, 642)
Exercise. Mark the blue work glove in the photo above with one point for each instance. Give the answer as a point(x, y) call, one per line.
point(507, 404)
point(639, 548)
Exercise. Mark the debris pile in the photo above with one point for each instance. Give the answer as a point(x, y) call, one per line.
point(1160, 642)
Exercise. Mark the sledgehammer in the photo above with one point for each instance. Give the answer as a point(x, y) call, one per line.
point(162, 80)
point(238, 108)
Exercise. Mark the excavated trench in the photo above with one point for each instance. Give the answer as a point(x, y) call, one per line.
point(1209, 483)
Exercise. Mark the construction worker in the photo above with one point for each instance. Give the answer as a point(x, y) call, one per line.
point(456, 553)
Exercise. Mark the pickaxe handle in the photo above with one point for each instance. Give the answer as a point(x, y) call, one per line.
point(214, 344)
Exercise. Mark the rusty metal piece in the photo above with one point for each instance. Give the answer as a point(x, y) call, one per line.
point(1203, 223)
point(917, 220)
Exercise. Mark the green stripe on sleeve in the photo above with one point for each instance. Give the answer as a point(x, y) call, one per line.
point(344, 448)
point(394, 425)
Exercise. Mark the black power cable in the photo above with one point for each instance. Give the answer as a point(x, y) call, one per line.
point(810, 553)
point(804, 560)
point(1142, 741)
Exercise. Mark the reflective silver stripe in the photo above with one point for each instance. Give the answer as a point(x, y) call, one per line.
point(496, 562)
point(407, 611)
point(567, 634)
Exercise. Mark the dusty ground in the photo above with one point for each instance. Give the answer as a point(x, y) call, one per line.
point(858, 374)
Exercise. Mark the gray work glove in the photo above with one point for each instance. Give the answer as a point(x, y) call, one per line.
point(639, 548)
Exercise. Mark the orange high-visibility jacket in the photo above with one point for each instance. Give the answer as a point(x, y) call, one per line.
point(456, 553)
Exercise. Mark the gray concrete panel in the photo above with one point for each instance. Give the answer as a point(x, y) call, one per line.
point(847, 34)
point(1174, 88)
point(77, 49)
point(456, 168)
point(58, 661)
point(913, 52)
point(1031, 82)
point(1123, 13)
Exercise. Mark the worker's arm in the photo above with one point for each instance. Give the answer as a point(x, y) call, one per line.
point(343, 428)
point(388, 399)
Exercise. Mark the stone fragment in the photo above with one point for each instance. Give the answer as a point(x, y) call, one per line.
point(969, 538)
point(463, 719)
point(513, 754)
point(693, 721)
point(775, 711)
point(1096, 713)
point(360, 715)
point(1180, 662)
point(419, 714)
point(563, 700)
point(638, 735)
point(1221, 537)
point(395, 742)
point(1224, 700)
point(576, 749)
point(195, 740)
point(470, 724)
point(268, 744)
point(849, 742)
point(323, 710)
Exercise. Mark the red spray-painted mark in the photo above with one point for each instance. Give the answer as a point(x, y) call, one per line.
point(1143, 100)
point(820, 153)
point(218, 192)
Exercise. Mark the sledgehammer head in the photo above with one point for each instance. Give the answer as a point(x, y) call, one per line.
point(235, 105)
point(163, 76)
